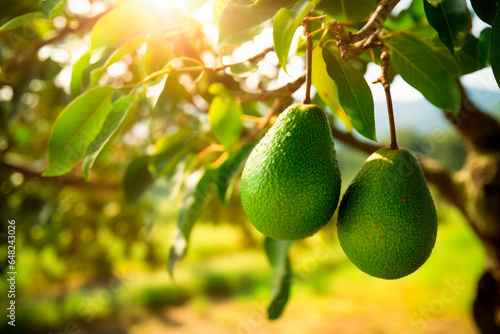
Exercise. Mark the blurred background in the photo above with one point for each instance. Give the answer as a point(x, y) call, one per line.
point(89, 260)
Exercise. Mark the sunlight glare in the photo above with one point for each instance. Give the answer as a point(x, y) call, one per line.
point(184, 6)
point(79, 7)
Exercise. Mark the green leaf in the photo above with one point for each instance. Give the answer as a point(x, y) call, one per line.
point(450, 18)
point(228, 172)
point(197, 192)
point(126, 48)
point(76, 127)
point(418, 65)
point(218, 88)
point(446, 60)
point(277, 253)
point(485, 9)
point(137, 179)
point(326, 88)
point(354, 95)
point(172, 94)
point(252, 109)
point(285, 24)
point(240, 23)
point(429, 36)
point(21, 20)
point(77, 75)
point(495, 48)
point(121, 24)
point(348, 10)
point(484, 46)
point(219, 6)
point(226, 120)
point(170, 150)
point(52, 8)
point(417, 11)
point(470, 58)
point(116, 116)
point(406, 18)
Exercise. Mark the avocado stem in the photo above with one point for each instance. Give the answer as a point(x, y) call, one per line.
point(394, 143)
point(385, 58)
point(309, 48)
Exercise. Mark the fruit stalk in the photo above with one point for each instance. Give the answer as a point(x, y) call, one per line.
point(394, 143)
point(385, 58)
point(309, 49)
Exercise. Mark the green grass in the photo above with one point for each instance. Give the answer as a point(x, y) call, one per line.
point(220, 266)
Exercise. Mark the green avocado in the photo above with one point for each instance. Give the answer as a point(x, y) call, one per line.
point(290, 185)
point(387, 222)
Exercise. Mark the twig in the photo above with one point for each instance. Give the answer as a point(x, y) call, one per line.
point(252, 59)
point(6, 168)
point(349, 139)
point(283, 91)
point(309, 50)
point(199, 68)
point(385, 58)
point(252, 119)
point(314, 18)
point(209, 149)
point(375, 22)
point(278, 106)
point(220, 160)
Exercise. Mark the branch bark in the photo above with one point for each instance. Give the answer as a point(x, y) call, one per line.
point(480, 176)
point(375, 22)
point(283, 91)
point(252, 59)
point(434, 172)
point(480, 131)
point(480, 192)
point(6, 168)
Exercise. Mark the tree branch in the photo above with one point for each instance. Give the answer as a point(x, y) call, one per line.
point(375, 22)
point(252, 59)
point(283, 91)
point(436, 174)
point(480, 175)
point(349, 139)
point(479, 130)
point(6, 168)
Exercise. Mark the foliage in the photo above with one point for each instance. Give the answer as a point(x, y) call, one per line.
point(148, 108)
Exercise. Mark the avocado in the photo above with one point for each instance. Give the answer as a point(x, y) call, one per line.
point(387, 222)
point(290, 185)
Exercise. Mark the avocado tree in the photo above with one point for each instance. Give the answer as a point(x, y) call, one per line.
point(153, 98)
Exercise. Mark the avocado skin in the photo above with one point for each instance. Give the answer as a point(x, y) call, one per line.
point(387, 222)
point(290, 185)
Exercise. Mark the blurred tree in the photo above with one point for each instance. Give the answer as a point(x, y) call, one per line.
point(135, 96)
